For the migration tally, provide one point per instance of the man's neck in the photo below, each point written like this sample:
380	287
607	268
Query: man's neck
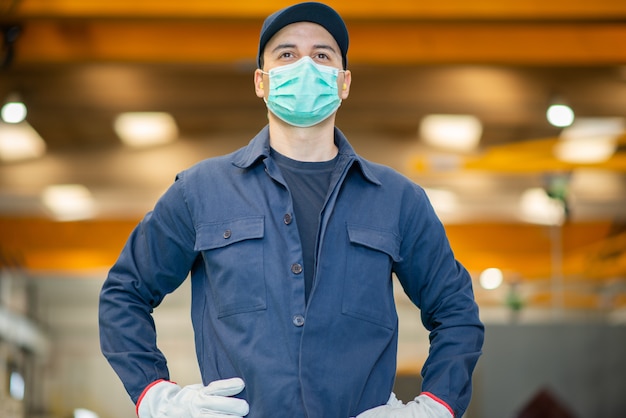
312	144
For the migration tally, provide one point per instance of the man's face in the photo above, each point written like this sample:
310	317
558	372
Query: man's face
296	41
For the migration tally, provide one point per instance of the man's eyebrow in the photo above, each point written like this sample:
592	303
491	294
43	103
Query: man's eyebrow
283	46
318	46
325	46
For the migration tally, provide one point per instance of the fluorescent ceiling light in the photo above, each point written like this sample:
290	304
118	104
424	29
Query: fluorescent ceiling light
589	140
69	202
19	142
453	132
443	201
84	413
538	208
585	151
145	129
595	127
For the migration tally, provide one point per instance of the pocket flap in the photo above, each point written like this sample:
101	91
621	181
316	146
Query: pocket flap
376	239
220	234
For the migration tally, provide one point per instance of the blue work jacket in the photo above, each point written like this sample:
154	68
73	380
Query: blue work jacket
230	222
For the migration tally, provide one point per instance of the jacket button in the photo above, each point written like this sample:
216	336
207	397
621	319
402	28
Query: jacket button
296	268
287	218
298	320
227	234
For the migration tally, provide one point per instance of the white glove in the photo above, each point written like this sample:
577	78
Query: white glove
168	400
422	407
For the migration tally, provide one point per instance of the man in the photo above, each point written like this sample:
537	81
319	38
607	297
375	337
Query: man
291	243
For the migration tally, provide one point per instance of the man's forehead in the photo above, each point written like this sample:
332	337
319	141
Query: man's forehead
296	30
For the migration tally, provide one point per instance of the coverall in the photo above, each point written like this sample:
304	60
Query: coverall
229	221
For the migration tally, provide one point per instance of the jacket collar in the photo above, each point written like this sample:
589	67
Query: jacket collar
259	149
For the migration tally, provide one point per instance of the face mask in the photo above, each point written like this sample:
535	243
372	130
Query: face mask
304	93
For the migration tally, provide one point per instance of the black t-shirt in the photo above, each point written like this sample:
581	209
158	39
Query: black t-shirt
308	183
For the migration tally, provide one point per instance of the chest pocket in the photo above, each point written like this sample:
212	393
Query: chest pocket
233	257
368	290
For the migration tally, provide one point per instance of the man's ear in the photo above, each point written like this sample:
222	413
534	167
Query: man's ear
259	85
345	87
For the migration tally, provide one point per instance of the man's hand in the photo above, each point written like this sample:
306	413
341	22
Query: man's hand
424	406
166	399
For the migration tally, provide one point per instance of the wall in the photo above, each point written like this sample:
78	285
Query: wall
75	374
583	365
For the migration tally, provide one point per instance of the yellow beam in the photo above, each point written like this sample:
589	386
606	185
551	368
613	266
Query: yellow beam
219	41
524	249
363	9
532	156
45	245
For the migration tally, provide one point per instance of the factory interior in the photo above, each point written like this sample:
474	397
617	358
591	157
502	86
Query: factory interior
510	115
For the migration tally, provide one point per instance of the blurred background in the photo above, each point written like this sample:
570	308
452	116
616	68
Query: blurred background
510	114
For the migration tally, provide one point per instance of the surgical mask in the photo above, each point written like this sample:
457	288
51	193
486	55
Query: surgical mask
303	93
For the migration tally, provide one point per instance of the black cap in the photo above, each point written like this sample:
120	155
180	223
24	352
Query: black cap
313	12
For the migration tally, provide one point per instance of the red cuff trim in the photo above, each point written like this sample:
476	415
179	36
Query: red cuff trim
434	398
144	393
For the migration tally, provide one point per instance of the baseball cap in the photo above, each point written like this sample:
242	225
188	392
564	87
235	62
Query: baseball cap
313	12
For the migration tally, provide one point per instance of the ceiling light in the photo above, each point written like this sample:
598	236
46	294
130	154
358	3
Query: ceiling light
453	132
597	185
19	142
13	112
84	413
538	208
491	278
69	202
17	386
145	129
595	127
560	115
589	140
443	201
585	151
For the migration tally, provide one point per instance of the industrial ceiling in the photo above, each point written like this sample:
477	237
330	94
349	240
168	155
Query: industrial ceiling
78	64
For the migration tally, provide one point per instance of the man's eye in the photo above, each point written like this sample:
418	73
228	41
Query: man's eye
286	55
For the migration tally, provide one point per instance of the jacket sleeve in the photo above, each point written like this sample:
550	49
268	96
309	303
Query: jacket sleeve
154	262
442	289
